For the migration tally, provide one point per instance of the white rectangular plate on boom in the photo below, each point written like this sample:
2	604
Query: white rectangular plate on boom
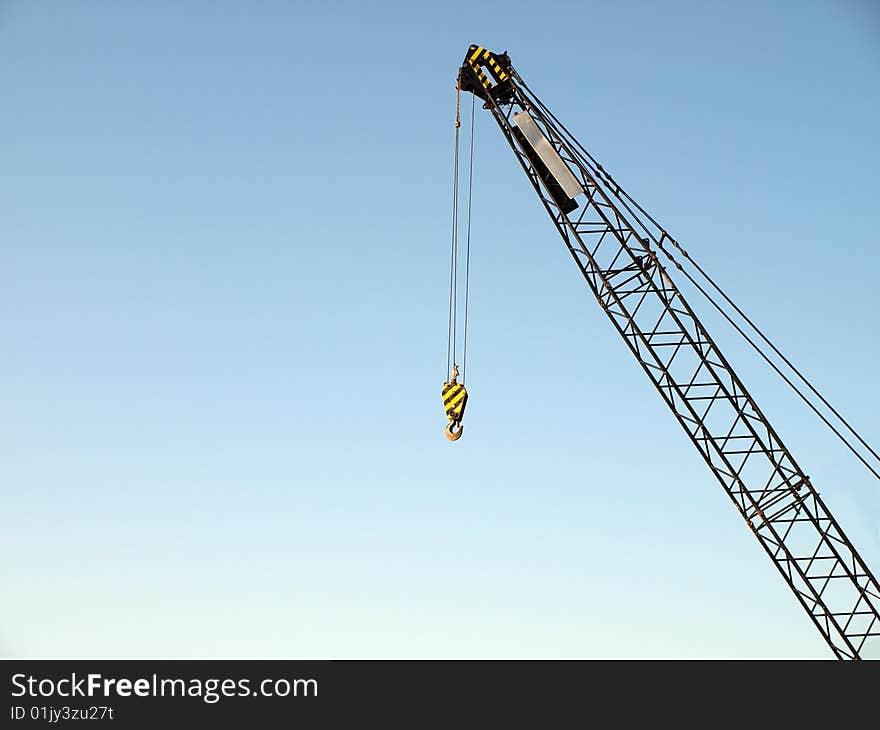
548	155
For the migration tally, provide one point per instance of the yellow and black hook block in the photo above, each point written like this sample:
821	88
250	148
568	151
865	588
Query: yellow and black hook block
454	400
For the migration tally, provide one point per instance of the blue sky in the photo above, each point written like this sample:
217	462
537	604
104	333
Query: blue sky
224	233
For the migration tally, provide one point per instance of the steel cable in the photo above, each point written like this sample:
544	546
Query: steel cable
467	270
453	256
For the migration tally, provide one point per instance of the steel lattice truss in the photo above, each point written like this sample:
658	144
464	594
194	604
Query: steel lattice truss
617	250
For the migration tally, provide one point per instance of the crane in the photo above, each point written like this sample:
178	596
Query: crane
624	255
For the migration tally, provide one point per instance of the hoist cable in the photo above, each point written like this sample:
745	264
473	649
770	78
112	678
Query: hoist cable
623	196
467	270
453	256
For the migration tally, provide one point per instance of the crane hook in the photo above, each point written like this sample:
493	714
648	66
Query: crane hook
451	433
454	400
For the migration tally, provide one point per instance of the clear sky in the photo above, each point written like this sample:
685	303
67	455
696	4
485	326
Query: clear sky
224	232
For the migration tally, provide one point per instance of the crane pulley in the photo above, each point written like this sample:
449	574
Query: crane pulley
621	251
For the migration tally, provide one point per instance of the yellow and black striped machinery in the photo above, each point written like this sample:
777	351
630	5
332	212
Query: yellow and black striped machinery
454	400
473	75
